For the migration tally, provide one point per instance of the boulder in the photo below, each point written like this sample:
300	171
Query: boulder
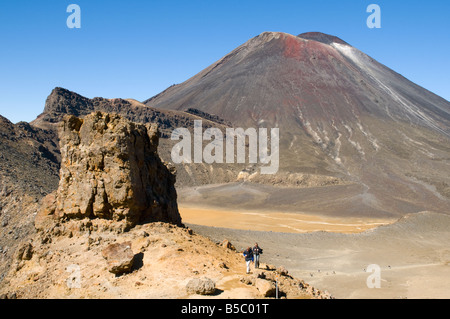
25	252
227	244
120	257
200	286
282	271
265	287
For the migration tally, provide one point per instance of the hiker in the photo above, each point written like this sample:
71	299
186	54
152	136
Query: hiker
248	254
256	252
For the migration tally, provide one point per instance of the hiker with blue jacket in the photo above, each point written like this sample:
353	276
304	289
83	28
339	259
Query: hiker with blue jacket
248	254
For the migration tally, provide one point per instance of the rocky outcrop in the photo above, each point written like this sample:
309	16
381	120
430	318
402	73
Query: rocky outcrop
110	170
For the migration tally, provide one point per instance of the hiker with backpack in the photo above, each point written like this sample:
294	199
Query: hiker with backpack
256	252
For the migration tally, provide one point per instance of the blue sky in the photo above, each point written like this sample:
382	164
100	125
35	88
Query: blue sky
136	49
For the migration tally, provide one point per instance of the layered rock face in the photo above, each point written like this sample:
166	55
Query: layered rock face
110	169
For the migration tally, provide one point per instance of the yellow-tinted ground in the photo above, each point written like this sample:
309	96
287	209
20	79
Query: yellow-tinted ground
276	221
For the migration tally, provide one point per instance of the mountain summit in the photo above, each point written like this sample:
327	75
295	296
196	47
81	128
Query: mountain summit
277	75
340	113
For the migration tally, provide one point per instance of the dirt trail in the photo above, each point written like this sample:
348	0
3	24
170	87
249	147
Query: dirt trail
67	262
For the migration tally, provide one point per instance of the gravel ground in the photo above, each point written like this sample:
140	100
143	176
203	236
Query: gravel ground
412	255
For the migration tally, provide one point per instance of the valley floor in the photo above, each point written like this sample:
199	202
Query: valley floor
412	254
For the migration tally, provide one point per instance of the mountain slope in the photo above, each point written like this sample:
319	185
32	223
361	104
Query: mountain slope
29	165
